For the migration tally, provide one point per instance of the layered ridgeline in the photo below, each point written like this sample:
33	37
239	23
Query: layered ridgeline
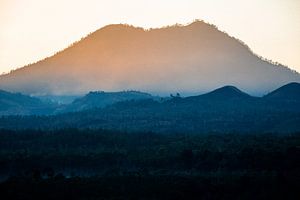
102	99
187	59
19	104
226	109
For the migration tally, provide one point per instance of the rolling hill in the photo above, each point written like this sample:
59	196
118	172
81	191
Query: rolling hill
187	59
224	110
103	99
223	93
19	104
289	92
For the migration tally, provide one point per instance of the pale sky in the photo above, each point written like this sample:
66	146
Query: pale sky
33	29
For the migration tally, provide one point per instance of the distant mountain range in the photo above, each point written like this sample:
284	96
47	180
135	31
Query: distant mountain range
226	109
186	59
103	99
20	104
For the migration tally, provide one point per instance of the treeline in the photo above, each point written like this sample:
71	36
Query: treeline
226	187
101	151
101	164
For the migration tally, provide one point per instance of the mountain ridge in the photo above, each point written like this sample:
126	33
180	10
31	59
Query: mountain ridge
228	91
101	99
231	111
289	91
17	103
123	57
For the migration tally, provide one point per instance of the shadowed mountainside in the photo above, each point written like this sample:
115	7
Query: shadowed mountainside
103	99
187	59
223	110
290	91
224	93
19	104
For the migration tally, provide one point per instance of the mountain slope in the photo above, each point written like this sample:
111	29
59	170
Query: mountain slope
289	91
103	99
226	92
231	111
193	58
19	104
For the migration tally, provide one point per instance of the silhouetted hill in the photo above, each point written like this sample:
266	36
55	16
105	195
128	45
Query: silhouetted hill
19	104
103	99
227	92
187	59
222	94
290	91
224	110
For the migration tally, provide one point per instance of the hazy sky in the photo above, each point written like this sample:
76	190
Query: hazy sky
33	29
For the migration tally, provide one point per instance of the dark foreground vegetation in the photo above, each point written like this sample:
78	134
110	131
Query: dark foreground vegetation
100	164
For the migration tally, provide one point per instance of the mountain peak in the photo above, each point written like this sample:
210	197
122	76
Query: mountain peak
227	92
118	27
201	24
118	57
290	91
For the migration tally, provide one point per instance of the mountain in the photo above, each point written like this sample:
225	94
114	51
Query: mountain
289	92
224	110
60	99
186	59
103	99
19	104
223	93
